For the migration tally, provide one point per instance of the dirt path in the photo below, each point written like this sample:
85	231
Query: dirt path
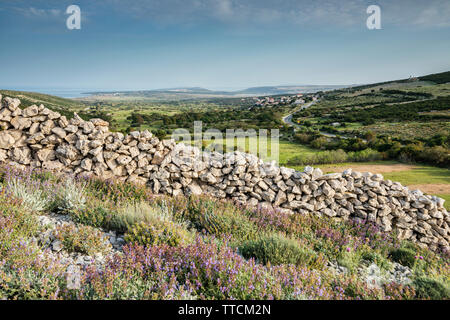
431	188
436	188
376	168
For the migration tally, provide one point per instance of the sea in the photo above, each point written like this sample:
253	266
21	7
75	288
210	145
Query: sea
59	92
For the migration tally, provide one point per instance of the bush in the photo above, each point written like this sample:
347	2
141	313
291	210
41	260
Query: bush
404	256
32	197
303	138
376	258
70	197
349	259
277	250
83	239
335	156
158	233
219	219
118	191
133	213
98	215
427	288
364	155
16	224
319	143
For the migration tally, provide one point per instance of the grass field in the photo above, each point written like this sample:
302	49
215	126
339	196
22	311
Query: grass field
287	150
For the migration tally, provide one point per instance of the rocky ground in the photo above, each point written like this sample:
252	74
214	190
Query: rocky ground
367	271
56	248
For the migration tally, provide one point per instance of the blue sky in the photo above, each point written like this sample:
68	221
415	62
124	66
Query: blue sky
224	44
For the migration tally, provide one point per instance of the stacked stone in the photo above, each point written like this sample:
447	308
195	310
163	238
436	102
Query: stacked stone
41	138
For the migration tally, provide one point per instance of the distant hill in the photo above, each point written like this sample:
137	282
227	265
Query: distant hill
277	90
437	78
191	93
183	93
62	105
199	93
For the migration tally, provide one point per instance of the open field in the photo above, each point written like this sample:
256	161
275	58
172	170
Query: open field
287	150
419	86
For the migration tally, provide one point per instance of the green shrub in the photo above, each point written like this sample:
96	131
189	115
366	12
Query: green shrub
404	256
158	233
427	288
95	215
118	191
319	143
364	155
219	219
277	250
350	260
376	258
83	239
16	224
44	176
133	213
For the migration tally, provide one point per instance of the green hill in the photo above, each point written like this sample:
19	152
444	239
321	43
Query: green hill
64	106
438	78
30	98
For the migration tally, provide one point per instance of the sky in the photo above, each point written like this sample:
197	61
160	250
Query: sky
219	44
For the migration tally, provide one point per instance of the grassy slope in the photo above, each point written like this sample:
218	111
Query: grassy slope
29	98
191	247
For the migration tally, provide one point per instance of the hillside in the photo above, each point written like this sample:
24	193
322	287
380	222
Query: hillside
406	120
438	78
190	93
29	98
93	239
91	214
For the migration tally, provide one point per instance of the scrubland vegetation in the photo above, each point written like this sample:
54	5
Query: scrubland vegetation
400	120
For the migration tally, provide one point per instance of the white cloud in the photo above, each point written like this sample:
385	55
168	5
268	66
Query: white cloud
431	13
224	8
438	15
33	12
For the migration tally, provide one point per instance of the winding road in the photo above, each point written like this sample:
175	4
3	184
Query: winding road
288	120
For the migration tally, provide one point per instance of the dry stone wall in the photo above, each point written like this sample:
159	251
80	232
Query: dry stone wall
41	138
